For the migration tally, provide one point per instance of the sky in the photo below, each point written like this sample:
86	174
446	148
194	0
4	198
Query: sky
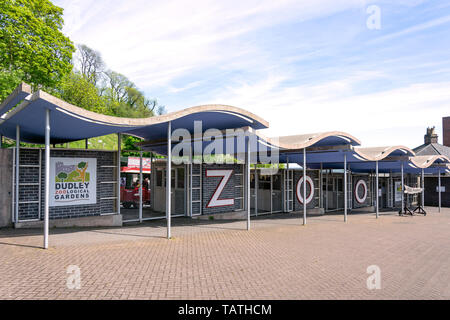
378	70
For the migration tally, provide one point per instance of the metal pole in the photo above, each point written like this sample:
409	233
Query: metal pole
287	185
140	186
169	179
152	180
345	188
86	144
247	182
17	172
377	192
256	190
190	182
403	188
47	177
119	151
326	191
320	186
423	189
304	186
439	185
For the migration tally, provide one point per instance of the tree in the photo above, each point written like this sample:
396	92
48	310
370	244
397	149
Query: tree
118	86
62	176
9	81
91	63
77	90
32	44
81	169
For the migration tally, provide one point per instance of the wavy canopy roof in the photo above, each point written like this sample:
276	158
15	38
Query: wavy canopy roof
326	149
71	123
260	143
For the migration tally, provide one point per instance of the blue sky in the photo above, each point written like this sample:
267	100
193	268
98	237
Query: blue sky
305	66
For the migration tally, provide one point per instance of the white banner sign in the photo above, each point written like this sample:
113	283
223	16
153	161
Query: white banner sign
398	191
73	181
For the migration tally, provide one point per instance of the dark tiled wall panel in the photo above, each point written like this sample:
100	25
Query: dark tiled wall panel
30	175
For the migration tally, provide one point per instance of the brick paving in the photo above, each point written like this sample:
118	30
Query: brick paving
277	259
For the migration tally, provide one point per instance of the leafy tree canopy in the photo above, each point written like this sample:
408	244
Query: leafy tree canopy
32	46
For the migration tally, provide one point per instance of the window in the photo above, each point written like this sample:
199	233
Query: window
264	182
276	185
339	185
180	178
159	178
172	179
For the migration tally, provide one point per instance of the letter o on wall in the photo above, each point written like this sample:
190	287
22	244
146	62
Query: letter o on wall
361	184
299	194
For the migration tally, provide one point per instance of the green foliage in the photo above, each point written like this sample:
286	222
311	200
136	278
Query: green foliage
77	90
33	49
129	143
124	99
62	176
82	165
9	81
32	46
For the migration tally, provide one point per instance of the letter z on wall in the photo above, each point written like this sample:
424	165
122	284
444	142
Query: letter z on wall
215	200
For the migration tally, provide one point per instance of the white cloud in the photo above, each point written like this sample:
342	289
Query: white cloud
156	42
396	116
172	47
417	28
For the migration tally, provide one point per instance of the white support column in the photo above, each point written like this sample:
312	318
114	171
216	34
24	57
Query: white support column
17	173
439	186
47	177
140	186
423	189
345	188
326	191
287	185
320	186
152	182
377	203
247	182
190	182
256	190
403	187
169	179
304	186
119	150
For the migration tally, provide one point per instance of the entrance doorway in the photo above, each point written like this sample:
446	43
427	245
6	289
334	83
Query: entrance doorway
333	191
267	188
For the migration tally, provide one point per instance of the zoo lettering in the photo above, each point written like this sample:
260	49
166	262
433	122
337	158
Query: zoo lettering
71	190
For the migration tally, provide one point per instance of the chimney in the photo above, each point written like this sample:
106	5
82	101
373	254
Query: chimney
446	130
431	136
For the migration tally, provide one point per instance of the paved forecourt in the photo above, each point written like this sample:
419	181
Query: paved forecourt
278	259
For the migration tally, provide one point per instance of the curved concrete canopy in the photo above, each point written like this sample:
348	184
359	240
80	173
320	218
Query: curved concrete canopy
71	123
380	153
330	138
428	161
